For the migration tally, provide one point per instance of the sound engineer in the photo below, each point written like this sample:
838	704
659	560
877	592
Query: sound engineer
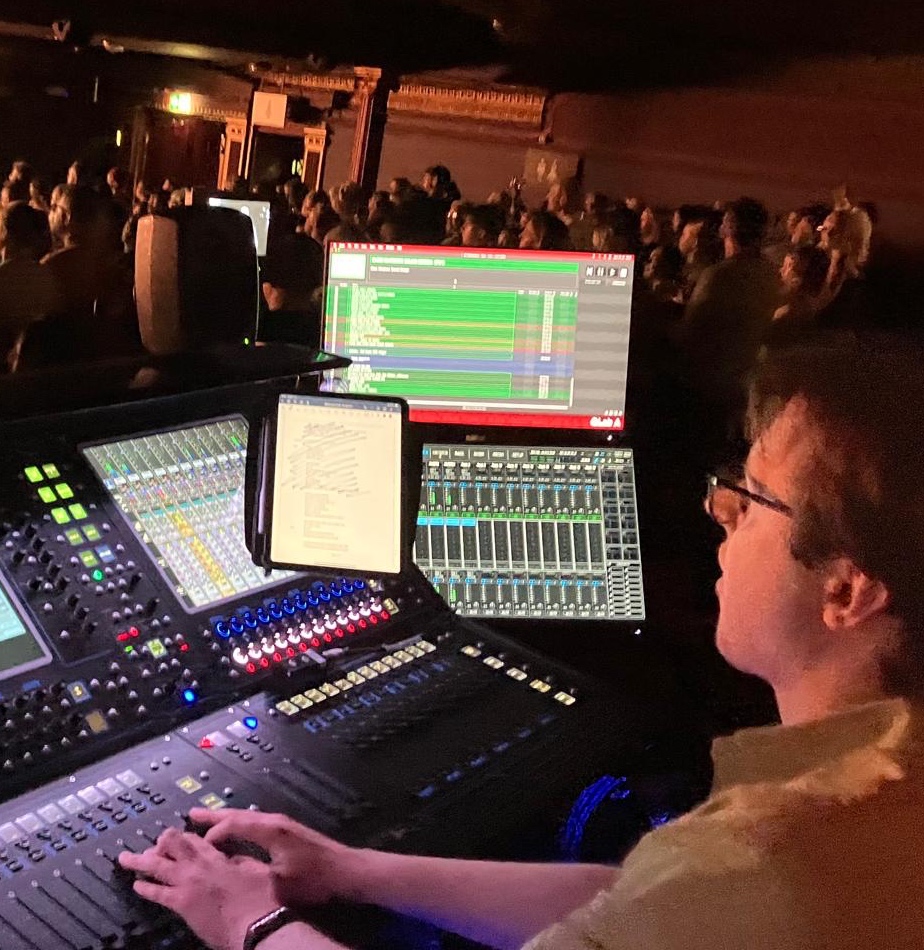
811	837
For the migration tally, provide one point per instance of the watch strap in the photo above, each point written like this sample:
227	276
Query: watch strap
260	929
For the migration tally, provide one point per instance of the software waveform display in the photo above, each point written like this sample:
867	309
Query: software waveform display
532	531
506	337
182	491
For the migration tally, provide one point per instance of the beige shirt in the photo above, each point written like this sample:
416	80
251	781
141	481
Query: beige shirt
813	839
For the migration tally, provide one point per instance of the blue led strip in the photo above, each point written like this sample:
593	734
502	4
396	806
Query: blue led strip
572	834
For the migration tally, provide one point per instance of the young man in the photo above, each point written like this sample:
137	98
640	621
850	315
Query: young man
812	835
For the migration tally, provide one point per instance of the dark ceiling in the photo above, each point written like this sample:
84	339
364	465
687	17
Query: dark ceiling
558	44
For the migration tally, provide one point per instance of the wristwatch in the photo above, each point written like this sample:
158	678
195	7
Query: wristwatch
260	929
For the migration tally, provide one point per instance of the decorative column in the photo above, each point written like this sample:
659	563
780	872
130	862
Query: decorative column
370	99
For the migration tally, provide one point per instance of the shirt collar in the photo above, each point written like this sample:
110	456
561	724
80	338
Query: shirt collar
780	753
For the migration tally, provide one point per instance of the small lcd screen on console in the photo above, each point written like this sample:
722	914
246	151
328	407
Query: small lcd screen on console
337	484
519	531
21	649
182	491
487	338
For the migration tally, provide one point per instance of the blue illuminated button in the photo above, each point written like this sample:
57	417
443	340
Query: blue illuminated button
359	585
222	629
275	611
287	606
251	620
251	722
336	591
236	625
262	615
325	596
312	600
189	696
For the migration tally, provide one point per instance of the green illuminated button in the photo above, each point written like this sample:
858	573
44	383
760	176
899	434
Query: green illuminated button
91	532
60	516
88	558
33	474
64	491
47	495
74	537
51	471
156	649
97	575
78	511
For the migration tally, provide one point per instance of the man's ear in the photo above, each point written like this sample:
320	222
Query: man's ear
850	596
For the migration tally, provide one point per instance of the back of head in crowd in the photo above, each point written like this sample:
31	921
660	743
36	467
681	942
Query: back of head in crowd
858	488
544	231
744	226
24	232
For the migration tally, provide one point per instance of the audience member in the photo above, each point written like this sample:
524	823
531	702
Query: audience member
544	231
27	290
347	201
14	189
481	226
802	277
845	236
292	272
728	315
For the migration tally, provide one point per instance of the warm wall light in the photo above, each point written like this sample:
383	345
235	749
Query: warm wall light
180	102
118	138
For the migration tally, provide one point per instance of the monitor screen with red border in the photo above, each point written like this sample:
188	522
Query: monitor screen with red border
483	337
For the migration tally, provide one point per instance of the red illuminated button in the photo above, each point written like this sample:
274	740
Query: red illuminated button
385	615
206	743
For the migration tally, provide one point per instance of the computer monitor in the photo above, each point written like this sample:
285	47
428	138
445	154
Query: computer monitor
257	211
483	337
532	531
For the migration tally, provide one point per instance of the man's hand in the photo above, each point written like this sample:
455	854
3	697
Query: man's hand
217	896
307	867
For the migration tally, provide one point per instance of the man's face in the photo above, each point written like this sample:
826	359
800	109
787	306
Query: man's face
58	216
770	605
689	238
653	261
472	235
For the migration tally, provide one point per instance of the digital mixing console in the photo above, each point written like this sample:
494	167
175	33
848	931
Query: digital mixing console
147	666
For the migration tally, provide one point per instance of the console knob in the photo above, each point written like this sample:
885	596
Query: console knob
73	600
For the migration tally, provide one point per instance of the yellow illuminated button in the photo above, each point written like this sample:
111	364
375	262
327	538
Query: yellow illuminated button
415	652
426	646
367	672
51	470
404	656
212	801
60	515
78	692
47	495
391	662
156	648
88	559
391	606
287	708
379	666
328	689
97	722
516	674
33	474
355	678
493	662
540	686
303	702
471	651
64	491
188	784
343	685
566	699
315	695
74	537
78	511
91	532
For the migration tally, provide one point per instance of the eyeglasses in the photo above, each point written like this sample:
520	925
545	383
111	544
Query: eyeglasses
715	484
